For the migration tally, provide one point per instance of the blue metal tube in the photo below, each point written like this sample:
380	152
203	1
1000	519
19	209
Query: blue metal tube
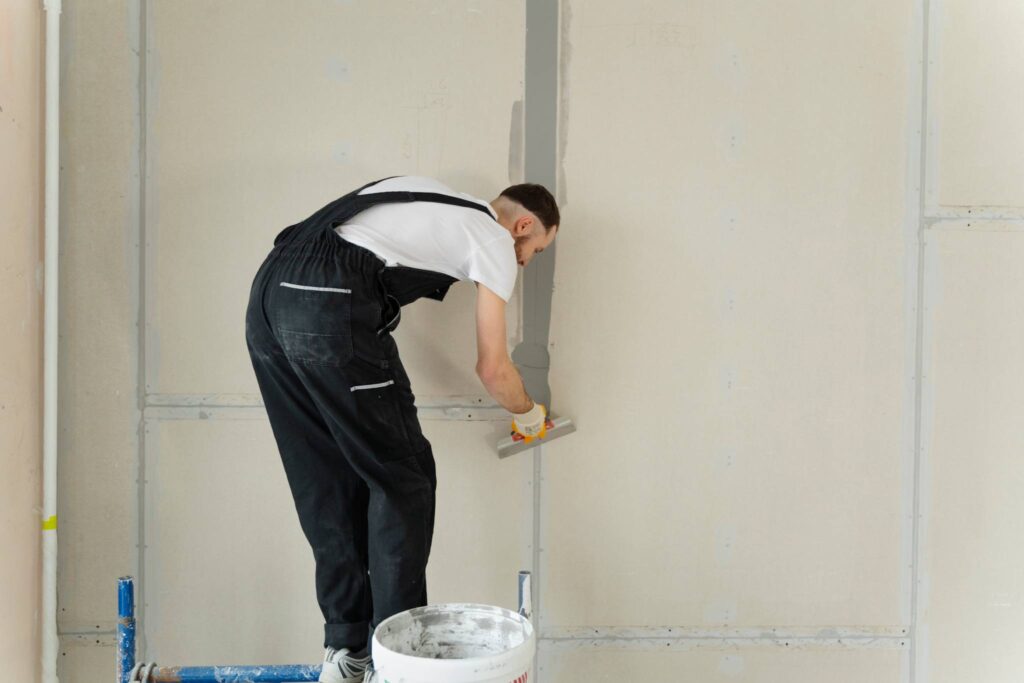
283	673
290	673
236	674
125	628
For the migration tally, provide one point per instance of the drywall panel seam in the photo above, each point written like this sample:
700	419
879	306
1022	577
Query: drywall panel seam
719	643
977	212
973	225
250	407
139	28
914	202
931	294
931	172
911	237
134	267
151	537
89	639
770	633
912	226
536	568
208	400
926	169
227	400
424	413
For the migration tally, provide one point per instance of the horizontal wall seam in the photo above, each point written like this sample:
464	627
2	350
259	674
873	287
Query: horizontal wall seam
563	644
970	229
683	642
791	632
982	213
250	407
255	401
682	633
104	639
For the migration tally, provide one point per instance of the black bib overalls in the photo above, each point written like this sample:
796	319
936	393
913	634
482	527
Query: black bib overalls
318	328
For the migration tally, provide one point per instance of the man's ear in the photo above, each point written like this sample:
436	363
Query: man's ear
522	226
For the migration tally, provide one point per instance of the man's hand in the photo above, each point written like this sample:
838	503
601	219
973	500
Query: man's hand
532	423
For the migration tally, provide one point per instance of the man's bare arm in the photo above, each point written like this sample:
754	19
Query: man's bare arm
493	366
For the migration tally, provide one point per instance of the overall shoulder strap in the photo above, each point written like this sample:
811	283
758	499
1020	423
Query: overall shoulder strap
375	198
312	225
343	208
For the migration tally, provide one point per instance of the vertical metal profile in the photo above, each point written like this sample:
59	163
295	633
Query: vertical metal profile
141	31
525	607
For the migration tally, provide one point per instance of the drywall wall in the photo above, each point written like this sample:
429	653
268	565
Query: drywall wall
208	222
99	400
970	600
973	604
977	149
728	325
206	237
197	132
766	324
21	342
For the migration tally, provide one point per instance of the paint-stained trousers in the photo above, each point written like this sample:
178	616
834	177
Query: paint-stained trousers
360	470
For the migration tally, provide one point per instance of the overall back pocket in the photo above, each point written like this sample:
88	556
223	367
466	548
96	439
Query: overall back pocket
313	323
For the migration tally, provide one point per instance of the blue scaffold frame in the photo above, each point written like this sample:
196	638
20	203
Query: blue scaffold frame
130	671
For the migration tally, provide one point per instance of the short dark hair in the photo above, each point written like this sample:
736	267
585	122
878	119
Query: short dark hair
536	199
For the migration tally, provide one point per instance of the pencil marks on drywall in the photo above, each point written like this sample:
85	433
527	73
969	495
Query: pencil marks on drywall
644	28
342	152
338	69
730	665
425	140
720	610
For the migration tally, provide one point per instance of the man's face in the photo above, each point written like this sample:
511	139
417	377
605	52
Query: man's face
531	238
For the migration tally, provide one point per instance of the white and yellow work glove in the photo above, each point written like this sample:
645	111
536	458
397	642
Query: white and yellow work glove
533	424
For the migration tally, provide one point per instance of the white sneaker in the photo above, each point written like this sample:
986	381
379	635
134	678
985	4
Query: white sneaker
339	667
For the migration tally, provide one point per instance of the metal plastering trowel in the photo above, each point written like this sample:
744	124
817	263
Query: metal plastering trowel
517	443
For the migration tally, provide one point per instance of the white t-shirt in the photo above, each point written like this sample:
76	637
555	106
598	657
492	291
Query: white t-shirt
459	241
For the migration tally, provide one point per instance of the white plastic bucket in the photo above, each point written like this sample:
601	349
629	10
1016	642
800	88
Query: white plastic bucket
453	643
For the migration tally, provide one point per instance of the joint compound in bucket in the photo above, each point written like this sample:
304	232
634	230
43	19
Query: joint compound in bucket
453	643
